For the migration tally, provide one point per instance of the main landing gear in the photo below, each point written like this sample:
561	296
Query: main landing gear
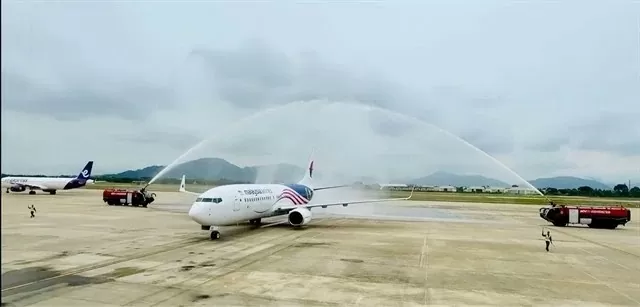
32	192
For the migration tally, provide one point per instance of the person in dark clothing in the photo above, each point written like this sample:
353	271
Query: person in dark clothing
32	210
547	239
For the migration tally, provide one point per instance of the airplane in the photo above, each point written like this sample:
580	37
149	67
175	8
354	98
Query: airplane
229	205
48	184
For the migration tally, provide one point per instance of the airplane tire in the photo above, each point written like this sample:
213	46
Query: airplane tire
215	235
32	192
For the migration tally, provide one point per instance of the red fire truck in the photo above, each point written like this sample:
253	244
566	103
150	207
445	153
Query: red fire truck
594	217
114	197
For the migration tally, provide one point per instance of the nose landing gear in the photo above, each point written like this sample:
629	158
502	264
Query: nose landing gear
215	235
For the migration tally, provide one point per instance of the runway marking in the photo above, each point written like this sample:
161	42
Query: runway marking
172	246
287	242
424	263
583	270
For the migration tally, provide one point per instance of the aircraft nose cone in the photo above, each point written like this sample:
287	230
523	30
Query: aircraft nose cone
197	213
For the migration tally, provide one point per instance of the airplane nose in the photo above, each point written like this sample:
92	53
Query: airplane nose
198	213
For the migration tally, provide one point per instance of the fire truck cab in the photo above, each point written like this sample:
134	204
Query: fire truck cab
594	217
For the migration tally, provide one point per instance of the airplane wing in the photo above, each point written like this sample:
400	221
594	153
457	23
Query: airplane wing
344	203
31	186
331	187
182	189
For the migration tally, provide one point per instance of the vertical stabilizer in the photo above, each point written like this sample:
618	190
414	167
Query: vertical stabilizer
86	171
307	180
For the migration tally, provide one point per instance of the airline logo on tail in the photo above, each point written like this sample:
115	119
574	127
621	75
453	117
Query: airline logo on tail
86	171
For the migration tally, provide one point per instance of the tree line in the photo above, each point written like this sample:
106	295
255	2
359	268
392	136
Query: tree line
620	190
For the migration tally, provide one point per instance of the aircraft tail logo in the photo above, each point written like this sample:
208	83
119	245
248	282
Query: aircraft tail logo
86	171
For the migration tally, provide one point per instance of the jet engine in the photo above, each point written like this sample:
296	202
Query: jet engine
299	217
17	188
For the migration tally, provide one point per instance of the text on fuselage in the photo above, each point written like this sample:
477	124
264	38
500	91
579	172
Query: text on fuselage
257	191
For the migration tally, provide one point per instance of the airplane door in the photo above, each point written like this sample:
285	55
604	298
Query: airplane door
237	203
573	216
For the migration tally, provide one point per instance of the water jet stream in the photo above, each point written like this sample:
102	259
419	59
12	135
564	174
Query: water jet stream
271	110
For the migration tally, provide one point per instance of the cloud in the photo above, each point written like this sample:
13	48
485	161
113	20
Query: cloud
540	96
128	101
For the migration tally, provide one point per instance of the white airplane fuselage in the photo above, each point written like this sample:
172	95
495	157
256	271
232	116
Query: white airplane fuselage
48	184
235	203
231	204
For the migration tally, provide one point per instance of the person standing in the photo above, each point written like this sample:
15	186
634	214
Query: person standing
547	239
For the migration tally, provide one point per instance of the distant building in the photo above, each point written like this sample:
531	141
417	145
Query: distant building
520	191
495	189
476	189
394	186
446	188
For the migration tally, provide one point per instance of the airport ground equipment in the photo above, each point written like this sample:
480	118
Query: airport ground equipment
594	217
116	197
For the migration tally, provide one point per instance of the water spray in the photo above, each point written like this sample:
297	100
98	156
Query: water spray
206	140
267	111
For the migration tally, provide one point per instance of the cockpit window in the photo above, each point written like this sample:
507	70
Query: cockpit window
210	200
199	200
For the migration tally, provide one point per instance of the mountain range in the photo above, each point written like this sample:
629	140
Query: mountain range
220	169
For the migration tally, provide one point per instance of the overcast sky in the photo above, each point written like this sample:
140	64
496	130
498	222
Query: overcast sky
547	88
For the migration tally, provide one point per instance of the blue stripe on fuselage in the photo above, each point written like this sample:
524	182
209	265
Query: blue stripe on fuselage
303	190
75	183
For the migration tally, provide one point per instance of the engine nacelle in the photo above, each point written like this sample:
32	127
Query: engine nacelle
18	189
299	217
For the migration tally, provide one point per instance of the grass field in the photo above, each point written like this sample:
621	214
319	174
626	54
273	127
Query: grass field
426	196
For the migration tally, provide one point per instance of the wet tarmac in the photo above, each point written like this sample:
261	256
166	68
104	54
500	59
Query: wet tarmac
78	251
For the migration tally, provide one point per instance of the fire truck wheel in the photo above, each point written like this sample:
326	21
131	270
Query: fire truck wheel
145	205
215	235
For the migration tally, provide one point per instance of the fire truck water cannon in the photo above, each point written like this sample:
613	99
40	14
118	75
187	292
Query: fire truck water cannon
594	217
116	197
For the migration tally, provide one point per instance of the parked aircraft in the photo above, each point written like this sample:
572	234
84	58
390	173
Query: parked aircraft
48	184
231	204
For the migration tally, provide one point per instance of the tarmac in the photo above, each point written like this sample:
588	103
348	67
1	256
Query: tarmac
78	251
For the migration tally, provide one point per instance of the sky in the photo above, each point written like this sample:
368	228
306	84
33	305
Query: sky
547	88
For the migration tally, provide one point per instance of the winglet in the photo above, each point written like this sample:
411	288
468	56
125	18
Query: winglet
182	187
412	188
